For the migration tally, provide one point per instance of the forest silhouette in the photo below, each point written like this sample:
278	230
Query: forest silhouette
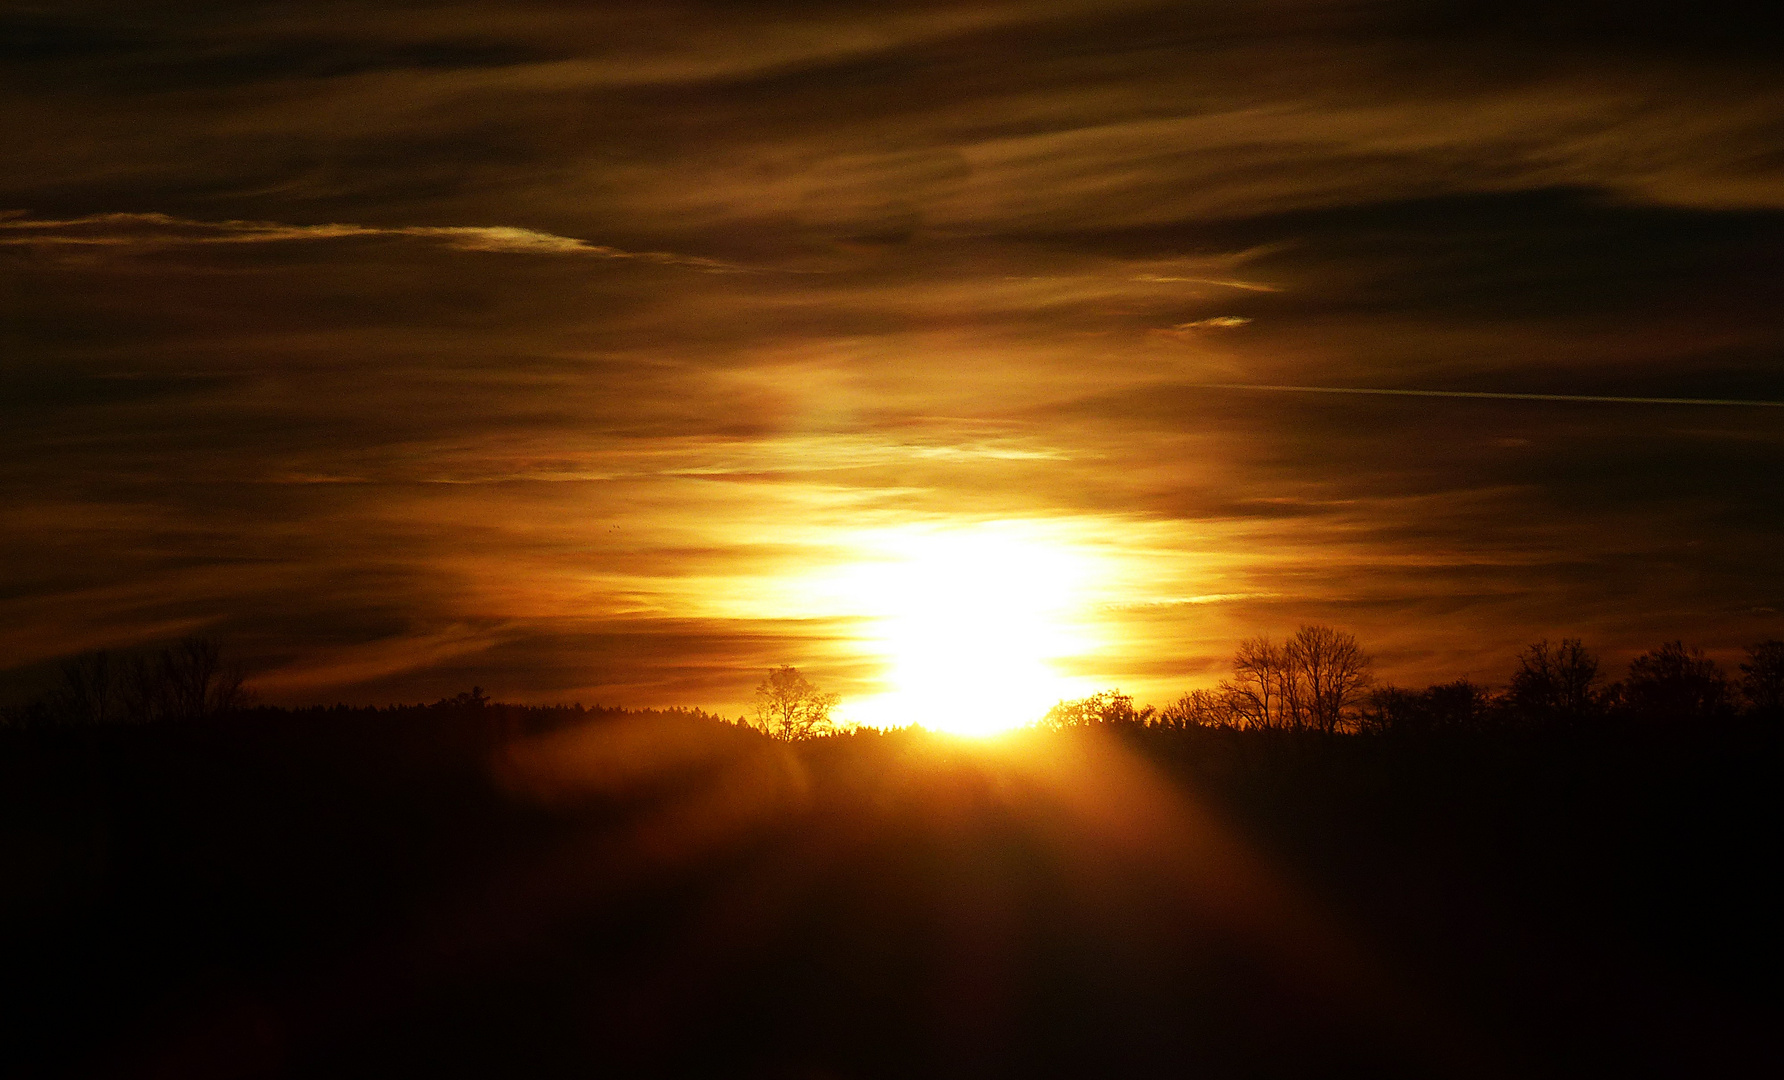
1298	871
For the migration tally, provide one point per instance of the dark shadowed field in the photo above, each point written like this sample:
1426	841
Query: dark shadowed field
465	891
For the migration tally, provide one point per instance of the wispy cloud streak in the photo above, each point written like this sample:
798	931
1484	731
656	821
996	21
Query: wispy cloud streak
125	230
1494	396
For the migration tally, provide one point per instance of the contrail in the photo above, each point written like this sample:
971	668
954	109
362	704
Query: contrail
1494	396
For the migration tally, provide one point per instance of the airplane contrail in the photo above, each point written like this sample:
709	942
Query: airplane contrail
1494	396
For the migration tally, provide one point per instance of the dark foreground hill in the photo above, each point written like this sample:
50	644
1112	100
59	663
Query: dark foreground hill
483	891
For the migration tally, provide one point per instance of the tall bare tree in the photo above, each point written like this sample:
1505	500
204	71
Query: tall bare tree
790	706
1328	672
1312	681
1262	686
90	690
1676	682
1556	683
1762	678
189	680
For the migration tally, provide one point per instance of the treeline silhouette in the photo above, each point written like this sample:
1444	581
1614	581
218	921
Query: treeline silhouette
189	680
1318	681
1572	880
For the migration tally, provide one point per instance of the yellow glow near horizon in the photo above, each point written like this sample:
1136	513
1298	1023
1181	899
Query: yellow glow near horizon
970	622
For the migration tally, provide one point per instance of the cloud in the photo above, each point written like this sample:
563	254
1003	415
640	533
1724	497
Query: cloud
1248	286
1484	395
1216	322
148	230
299	407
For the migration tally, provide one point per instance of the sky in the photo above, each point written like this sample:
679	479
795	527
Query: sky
618	352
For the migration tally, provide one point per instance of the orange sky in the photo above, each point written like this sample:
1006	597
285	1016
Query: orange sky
595	352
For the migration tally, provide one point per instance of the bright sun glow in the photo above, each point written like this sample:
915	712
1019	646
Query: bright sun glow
970	623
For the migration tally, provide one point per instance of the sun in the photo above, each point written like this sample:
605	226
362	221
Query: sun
970	623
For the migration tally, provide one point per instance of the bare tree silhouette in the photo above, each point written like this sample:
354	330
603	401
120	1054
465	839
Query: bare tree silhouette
790	706
189	680
1311	682
1556	683
1260	693
1328	673
1675	682
1762	678
1448	707
90	690
1200	709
